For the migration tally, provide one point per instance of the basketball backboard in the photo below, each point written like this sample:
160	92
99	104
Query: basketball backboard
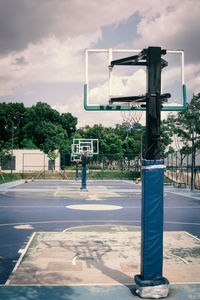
105	82
81	146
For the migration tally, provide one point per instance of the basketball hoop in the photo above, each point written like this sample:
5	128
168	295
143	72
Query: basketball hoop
85	153
77	160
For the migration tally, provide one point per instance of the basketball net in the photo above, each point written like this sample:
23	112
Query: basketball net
130	117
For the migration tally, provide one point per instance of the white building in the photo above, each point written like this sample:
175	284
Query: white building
31	160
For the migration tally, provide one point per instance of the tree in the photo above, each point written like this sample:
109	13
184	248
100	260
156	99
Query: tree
132	137
5	155
179	128
68	123
49	136
111	145
183	129
168	131
47	129
188	127
41	112
27	143
11	118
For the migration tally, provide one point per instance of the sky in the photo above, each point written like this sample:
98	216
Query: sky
42	46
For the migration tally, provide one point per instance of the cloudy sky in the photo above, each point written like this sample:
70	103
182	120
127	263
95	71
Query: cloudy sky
42	45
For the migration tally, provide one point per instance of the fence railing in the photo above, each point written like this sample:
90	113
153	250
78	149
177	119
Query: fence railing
178	169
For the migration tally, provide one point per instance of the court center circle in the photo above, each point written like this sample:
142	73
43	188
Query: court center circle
94	207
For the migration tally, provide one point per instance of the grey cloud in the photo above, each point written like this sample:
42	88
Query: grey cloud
29	21
20	61
23	22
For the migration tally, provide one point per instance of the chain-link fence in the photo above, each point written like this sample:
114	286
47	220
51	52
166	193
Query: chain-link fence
106	166
179	169
107	162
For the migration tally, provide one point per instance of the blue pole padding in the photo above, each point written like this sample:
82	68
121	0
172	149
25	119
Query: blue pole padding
152	223
84	177
76	171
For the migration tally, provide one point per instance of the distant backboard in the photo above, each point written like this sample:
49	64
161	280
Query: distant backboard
84	146
104	82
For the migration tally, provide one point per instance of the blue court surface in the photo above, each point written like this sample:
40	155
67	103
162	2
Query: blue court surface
55	206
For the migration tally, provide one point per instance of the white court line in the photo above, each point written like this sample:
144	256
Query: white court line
96	207
32	206
95	284
21	257
195	237
57	206
70	221
95	221
181	223
64	190
76	227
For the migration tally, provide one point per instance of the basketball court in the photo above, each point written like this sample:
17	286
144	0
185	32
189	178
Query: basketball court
92	242
86	244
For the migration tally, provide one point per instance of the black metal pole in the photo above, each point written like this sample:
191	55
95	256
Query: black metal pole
153	105
191	108
12	149
192	168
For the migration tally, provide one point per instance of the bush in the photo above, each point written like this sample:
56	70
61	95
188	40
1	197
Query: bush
7	177
113	174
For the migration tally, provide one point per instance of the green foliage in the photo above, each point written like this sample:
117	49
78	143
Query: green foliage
114	174
27	143
4	152
7	177
114	142
11	119
111	144
52	155
42	127
179	129
68	123
38	126
167	132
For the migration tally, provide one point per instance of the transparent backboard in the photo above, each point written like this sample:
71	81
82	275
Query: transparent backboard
103	82
88	146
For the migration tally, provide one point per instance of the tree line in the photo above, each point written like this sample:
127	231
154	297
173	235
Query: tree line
42	127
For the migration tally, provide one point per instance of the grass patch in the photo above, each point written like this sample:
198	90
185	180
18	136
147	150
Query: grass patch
70	174
6	177
113	174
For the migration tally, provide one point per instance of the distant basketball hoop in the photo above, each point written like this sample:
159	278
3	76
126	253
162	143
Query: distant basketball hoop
85	153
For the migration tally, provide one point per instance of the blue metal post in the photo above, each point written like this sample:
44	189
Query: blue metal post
84	177
152	219
77	171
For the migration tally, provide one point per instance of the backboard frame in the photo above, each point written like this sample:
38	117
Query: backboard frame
98	107
80	146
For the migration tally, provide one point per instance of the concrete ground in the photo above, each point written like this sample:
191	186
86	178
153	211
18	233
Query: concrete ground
104	260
